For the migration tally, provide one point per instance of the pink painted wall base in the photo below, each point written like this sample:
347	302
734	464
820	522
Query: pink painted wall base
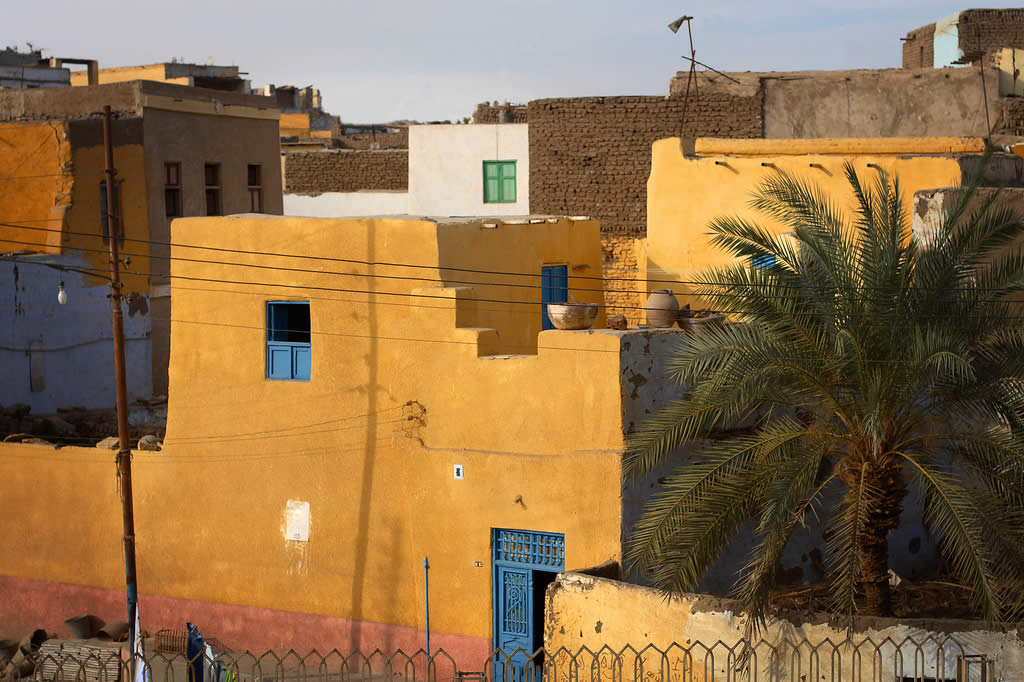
26	604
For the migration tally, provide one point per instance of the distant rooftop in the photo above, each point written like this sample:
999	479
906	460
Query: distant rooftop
125	98
211	76
14	58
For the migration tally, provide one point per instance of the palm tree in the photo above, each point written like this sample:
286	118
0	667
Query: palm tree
866	363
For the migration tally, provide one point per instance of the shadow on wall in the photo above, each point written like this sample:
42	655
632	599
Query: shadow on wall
361	543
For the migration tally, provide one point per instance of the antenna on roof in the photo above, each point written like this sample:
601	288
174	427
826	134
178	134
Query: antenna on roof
675	25
691	79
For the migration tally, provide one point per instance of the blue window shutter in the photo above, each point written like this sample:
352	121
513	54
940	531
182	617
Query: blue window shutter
554	282
561	283
289	347
301	361
279	361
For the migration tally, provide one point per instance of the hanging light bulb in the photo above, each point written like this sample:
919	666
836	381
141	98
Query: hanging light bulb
62	296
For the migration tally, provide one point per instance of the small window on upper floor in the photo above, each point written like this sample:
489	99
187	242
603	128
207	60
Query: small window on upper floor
172	190
499	182
765	261
211	172
255	188
289	347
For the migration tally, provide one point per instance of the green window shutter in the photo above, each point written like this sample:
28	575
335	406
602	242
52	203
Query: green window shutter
508	182
499	182
492	183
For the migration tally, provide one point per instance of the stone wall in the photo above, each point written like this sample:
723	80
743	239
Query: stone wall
1011	121
399	140
863	102
491	113
982	30
641	635
592	155
317	172
919	48
621	256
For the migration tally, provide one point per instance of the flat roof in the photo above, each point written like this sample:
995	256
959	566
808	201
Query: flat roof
125	98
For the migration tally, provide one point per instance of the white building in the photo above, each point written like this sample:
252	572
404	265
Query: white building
454	170
457	170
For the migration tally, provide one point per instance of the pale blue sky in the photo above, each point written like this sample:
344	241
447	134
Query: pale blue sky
377	61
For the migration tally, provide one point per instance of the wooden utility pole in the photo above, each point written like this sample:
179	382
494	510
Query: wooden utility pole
124	453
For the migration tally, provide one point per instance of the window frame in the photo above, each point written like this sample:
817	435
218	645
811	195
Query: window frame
173	187
501	166
213	188
554	288
299	353
255	188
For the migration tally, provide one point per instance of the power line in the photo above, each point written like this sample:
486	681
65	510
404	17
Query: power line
634	280
279	268
160	457
444	282
404	294
301	426
31	177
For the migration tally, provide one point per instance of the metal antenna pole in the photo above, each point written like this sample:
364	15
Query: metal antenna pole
124	454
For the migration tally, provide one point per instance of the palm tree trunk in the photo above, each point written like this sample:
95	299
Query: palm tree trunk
887	481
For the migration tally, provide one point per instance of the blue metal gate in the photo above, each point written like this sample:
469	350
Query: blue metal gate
520	558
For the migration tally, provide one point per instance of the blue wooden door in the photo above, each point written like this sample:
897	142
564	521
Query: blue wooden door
554	282
524	563
514	623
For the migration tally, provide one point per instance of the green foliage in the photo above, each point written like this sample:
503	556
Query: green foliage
863	360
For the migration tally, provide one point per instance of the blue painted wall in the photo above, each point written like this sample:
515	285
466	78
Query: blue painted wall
76	339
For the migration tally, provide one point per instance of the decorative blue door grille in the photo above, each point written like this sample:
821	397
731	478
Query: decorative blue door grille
518	555
523	547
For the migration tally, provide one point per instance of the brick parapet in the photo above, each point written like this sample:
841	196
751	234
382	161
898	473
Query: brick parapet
592	155
316	172
624	292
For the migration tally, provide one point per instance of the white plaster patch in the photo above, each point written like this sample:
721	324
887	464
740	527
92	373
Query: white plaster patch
297	521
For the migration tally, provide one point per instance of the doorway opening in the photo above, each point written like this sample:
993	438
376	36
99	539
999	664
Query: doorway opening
525	563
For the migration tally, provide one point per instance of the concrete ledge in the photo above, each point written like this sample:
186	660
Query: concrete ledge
715	146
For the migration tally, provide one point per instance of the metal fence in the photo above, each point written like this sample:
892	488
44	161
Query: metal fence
928	659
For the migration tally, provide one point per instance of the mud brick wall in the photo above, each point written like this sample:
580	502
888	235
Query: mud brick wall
919	48
990	29
491	113
592	155
1012	120
399	140
620	260
345	170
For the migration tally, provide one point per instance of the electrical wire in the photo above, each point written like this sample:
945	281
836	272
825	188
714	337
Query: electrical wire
30	177
443	282
411	295
356	261
160	457
301	426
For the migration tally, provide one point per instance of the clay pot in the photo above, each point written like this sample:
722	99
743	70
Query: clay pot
572	315
617	322
698	324
662	308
